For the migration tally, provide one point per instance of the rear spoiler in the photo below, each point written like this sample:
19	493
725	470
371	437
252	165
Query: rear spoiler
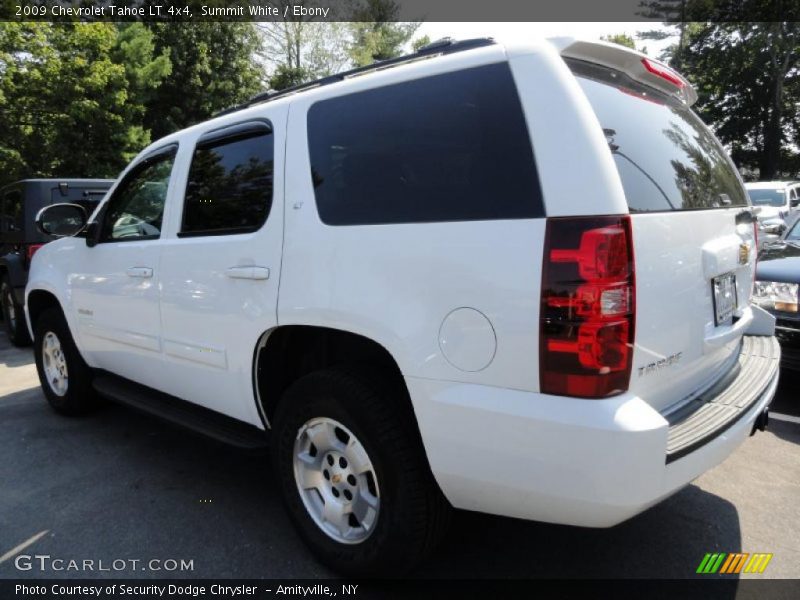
638	66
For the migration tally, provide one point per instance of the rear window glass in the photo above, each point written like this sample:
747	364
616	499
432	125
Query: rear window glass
451	147
767	197
230	186
666	156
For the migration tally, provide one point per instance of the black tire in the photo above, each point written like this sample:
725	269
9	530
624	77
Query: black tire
13	315
79	397
413	513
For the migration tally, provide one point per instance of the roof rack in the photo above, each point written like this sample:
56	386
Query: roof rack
438	48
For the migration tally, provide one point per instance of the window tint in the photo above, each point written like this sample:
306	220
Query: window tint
794	232
230	186
136	209
666	157
87	198
767	197
13	218
451	147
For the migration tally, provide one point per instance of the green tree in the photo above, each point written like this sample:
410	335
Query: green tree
286	77
748	80
623	39
376	33
72	97
215	69
420	42
302	45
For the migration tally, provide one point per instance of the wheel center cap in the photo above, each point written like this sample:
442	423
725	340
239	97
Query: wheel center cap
336	478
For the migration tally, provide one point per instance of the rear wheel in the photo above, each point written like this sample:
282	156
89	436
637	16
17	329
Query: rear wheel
353	473
66	379
13	315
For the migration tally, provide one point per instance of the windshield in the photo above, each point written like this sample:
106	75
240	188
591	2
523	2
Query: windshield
794	232
666	157
767	197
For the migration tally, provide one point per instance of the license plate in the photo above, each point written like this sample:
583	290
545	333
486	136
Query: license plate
724	298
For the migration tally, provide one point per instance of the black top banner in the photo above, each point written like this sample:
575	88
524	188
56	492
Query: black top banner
403	10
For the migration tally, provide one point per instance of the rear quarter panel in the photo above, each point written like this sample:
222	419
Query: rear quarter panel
396	283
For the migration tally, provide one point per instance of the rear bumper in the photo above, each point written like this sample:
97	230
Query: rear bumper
592	463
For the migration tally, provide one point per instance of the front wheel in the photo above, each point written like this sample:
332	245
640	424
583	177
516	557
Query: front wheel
353	473
65	378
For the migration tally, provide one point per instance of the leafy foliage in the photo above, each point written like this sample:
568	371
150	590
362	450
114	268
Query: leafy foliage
623	39
748	79
286	77
72	97
215	70
376	35
80	99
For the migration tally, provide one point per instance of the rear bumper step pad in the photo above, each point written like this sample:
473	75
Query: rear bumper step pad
719	407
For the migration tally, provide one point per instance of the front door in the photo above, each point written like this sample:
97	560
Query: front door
114	284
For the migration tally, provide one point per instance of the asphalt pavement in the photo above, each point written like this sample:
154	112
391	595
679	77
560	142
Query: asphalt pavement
121	486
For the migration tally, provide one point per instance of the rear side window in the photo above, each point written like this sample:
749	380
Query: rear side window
451	147
666	157
88	198
230	184
12	212
4	216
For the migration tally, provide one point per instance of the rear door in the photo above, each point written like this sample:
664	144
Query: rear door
693	237
220	266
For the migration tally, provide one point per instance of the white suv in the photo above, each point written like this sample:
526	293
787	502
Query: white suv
505	279
776	199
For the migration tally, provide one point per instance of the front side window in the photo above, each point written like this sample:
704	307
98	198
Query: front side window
136	209
450	147
229	189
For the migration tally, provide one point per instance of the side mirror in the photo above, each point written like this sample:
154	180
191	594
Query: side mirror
61	220
774	228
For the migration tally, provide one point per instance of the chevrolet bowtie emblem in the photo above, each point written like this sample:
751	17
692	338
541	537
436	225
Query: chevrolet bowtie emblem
744	253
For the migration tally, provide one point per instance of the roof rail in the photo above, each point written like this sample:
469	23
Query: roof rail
438	48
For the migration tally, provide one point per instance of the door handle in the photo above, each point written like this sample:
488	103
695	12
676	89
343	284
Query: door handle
145	272
258	273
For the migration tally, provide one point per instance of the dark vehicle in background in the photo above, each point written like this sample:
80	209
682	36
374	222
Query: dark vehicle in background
20	239
777	289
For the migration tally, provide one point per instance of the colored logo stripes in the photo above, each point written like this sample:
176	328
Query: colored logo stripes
736	562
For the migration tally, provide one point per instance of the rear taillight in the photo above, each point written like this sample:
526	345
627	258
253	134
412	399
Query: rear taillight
660	70
588	307
30	251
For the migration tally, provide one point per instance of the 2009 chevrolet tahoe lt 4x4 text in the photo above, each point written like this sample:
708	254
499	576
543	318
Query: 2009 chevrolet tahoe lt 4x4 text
506	279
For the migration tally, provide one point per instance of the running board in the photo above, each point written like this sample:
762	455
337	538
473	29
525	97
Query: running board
169	408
